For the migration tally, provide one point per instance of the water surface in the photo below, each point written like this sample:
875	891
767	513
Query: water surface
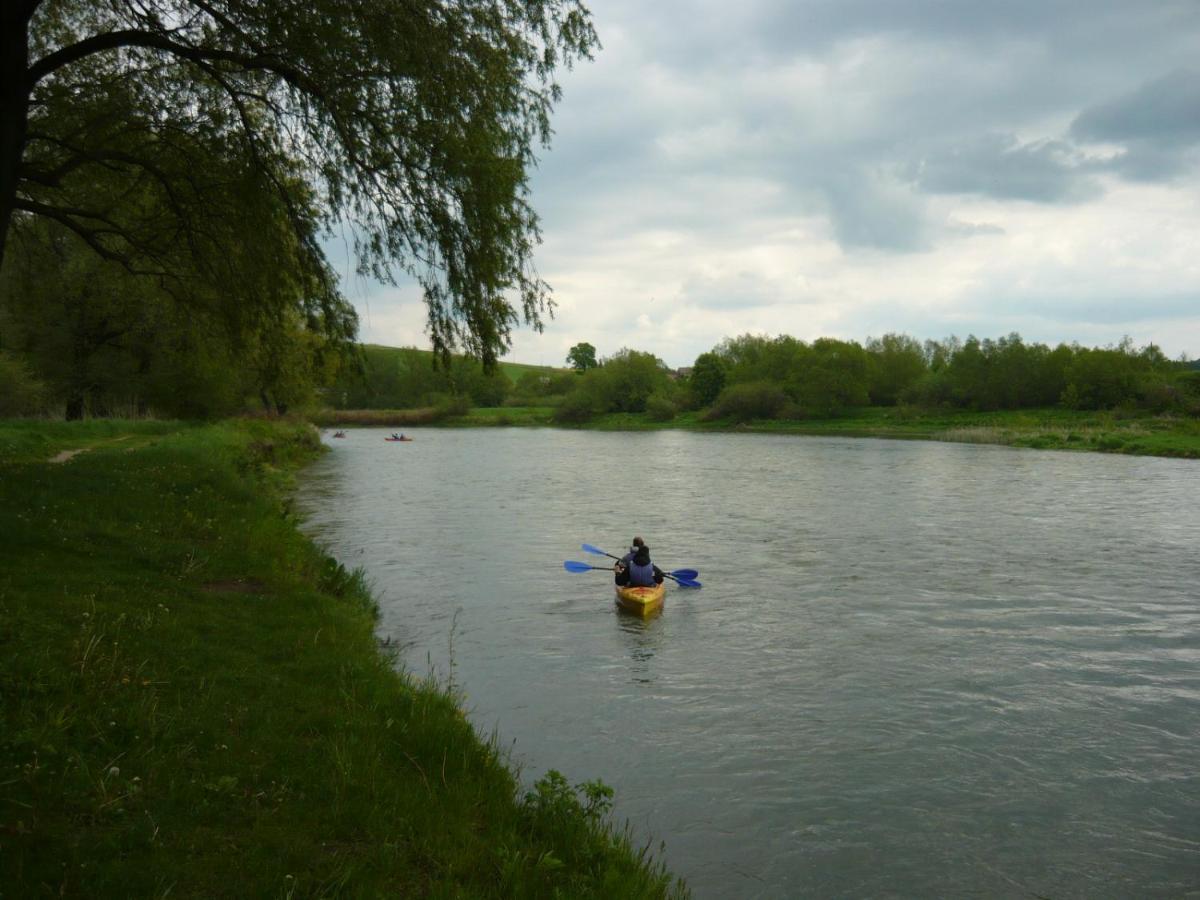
915	669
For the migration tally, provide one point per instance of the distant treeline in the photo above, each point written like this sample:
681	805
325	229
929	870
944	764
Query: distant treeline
760	377
407	378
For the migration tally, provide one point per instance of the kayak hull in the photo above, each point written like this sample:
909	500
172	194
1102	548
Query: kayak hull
641	601
398	440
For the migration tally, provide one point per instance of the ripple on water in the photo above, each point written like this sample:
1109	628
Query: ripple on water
914	670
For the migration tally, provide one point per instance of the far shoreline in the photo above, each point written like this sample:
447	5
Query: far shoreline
1106	431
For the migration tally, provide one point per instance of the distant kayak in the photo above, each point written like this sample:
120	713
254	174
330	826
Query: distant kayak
399	440
641	600
340	434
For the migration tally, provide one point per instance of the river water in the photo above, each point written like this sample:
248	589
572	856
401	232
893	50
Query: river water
914	670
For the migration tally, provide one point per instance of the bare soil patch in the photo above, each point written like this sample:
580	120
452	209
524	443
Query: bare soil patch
68	454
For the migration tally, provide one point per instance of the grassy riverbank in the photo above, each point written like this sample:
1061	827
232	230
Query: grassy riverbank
1135	433
194	704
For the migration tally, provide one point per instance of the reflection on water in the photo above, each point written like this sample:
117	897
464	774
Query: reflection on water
642	639
915	669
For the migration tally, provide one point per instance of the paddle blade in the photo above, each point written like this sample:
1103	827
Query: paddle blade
689	583
688	574
588	548
571	566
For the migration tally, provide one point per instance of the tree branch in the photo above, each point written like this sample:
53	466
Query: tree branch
132	37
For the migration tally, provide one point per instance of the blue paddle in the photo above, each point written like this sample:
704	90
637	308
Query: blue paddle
572	566
689	574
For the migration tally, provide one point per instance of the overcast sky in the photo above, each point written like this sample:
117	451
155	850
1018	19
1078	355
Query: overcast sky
847	168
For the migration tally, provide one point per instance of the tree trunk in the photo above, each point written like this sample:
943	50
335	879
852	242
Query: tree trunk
14	104
75	406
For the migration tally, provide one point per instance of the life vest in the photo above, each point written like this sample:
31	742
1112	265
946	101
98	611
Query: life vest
641	570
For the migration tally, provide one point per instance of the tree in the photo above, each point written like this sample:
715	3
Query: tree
708	378
629	377
895	364
622	383
413	122
831	376
582	357
252	320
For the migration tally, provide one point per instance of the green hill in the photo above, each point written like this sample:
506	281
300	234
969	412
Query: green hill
406	378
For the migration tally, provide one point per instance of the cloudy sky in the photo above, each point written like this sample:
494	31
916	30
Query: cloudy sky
847	168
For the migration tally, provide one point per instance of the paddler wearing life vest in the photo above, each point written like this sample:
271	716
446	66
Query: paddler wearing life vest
634	569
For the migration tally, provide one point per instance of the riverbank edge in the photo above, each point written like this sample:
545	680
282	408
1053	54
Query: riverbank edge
195	702
1120	432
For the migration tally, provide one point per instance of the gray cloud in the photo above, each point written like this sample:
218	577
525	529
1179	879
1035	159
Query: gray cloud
877	165
1164	111
1157	126
995	165
868	211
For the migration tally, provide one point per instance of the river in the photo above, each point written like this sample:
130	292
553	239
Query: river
915	669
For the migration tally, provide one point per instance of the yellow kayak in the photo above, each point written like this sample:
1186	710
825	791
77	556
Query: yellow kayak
641	600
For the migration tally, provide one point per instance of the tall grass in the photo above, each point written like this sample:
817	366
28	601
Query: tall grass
379	418
194	704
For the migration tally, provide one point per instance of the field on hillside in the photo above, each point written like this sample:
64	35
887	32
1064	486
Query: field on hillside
514	370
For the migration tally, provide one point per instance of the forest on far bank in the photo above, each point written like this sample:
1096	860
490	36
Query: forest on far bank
759	377
117	363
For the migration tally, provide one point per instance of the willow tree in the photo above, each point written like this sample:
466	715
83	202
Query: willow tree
413	123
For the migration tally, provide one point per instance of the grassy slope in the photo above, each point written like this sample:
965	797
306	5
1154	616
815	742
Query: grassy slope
194	704
513	370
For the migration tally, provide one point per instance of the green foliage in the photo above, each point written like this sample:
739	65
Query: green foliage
577	407
821	378
194	328
628	378
660	407
749	400
623	383
1103	378
829	376
542	386
417	123
707	378
582	357
896	363
21	394
408	378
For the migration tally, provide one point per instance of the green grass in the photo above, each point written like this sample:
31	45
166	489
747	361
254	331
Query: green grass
377	418
482	416
194	703
26	440
513	370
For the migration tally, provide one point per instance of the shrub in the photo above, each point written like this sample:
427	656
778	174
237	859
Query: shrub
447	405
576	408
659	407
747	401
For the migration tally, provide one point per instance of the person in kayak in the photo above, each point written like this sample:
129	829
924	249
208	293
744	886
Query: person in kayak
634	569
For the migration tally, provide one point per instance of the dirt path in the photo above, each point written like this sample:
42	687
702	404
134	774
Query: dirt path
68	454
